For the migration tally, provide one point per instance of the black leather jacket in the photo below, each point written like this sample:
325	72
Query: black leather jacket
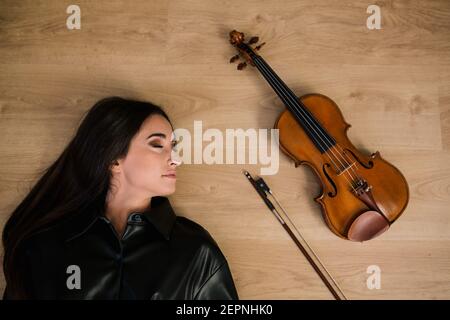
160	256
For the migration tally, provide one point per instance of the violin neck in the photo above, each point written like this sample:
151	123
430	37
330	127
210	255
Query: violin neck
318	135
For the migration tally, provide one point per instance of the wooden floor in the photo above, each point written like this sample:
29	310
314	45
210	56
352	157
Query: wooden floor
392	85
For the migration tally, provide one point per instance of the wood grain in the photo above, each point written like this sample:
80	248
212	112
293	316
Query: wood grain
392	85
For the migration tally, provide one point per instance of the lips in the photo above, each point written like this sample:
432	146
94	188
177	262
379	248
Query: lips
172	175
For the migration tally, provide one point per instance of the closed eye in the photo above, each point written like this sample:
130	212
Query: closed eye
174	144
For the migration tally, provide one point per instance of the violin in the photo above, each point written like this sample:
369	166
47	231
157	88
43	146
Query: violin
361	195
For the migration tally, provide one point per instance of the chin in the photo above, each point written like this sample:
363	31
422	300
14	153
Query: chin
167	192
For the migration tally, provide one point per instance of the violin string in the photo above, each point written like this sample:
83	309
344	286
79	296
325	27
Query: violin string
274	78
355	163
307	123
307	113
345	156
286	96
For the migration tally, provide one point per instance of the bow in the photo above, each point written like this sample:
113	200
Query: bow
263	190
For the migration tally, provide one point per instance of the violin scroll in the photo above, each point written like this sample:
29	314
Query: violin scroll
244	49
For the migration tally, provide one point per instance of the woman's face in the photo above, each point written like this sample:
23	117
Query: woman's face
149	169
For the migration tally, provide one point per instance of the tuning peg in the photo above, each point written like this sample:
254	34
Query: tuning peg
234	58
259	47
241	65
253	40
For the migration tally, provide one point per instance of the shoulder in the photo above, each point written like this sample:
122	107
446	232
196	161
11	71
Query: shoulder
189	229
48	243
43	246
206	262
55	235
194	237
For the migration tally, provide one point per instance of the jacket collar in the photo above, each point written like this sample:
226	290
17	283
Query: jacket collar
159	213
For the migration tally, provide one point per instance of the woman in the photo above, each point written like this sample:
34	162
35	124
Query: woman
97	225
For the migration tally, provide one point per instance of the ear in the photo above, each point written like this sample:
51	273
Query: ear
115	166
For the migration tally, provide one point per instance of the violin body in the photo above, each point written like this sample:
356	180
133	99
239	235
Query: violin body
347	215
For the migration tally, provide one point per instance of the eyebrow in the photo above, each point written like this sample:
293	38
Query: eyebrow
157	134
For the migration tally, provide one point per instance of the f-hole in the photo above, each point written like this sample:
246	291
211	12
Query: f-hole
324	168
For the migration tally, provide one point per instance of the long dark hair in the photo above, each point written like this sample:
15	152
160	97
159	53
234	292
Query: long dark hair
77	181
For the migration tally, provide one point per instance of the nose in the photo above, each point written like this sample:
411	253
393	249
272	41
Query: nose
174	159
